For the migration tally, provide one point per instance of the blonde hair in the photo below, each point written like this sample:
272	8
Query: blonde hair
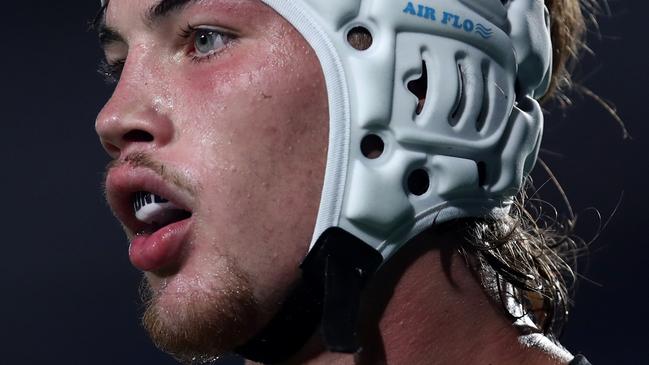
568	27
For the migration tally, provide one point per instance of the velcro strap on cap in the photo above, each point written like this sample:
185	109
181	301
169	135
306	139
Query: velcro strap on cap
334	273
342	264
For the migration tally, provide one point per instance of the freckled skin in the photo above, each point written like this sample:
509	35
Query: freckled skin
247	128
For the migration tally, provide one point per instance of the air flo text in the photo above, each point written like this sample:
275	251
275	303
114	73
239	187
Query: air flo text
447	18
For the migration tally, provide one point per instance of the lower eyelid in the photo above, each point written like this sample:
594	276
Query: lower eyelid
229	42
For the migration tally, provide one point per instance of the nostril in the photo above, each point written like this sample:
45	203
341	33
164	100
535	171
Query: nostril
111	148
138	135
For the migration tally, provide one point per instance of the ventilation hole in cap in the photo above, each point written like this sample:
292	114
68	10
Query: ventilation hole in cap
482	173
372	146
481	121
360	38
419	88
418	182
460	100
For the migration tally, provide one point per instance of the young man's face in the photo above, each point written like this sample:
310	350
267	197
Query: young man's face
220	108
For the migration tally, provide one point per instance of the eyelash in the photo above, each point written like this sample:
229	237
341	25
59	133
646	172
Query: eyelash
111	71
189	34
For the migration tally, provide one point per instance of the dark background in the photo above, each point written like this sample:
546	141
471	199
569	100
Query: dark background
68	294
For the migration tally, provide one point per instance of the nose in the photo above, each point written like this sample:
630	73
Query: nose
133	119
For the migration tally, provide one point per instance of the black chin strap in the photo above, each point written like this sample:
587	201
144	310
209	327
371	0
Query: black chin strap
333	275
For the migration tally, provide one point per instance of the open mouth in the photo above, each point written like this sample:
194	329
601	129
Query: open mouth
155	212
156	215
161	227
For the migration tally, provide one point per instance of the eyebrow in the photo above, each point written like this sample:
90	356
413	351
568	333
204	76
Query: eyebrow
164	8
156	13
108	35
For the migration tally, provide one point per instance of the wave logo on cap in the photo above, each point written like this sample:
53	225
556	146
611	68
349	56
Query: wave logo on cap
448	19
483	31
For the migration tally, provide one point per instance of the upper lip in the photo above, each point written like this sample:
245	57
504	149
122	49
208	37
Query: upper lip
124	181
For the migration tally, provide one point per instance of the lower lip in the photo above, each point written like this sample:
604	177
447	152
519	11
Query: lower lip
160	250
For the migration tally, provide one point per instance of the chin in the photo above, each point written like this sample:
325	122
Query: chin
196	318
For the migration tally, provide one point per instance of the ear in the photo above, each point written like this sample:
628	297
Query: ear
530	32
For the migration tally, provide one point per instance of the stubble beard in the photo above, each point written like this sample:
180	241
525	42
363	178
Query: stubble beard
205	321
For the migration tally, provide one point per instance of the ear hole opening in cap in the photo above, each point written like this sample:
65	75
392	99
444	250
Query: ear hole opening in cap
418	182
372	146
419	88
360	38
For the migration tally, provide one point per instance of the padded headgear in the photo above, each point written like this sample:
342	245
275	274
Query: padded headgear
482	64
477	136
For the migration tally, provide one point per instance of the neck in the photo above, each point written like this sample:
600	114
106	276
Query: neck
431	309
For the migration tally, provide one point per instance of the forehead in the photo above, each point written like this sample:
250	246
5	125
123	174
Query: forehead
112	10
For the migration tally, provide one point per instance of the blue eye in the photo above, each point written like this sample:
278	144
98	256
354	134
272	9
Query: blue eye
207	42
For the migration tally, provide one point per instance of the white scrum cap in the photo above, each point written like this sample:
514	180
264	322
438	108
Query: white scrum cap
469	148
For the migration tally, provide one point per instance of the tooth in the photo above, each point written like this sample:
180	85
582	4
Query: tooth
153	209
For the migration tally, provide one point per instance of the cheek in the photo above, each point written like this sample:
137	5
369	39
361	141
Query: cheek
259	130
